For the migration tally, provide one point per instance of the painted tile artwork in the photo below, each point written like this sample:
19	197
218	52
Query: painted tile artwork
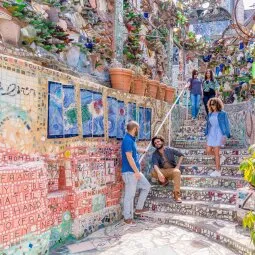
131	112
92	114
86	101
69	111
112	116
145	123
121	122
62	113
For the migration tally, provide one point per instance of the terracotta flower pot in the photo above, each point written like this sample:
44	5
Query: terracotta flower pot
169	95
161	92
152	88
139	85
121	78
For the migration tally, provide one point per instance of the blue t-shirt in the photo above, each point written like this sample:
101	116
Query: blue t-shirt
129	145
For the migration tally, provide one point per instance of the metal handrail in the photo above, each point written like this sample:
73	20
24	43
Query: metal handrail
163	122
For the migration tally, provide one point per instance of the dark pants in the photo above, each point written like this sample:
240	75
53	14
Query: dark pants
206	98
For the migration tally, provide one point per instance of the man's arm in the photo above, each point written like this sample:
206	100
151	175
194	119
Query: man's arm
133	165
161	177
179	162
180	155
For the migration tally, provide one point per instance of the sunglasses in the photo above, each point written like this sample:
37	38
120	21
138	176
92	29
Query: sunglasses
212	104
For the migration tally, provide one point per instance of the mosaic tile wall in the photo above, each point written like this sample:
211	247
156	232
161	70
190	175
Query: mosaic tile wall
61	132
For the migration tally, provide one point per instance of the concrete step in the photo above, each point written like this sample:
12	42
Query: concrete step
205	181
216	195
226	170
198	144
223	232
196	208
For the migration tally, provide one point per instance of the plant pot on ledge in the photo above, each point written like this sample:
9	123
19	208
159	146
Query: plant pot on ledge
121	78
161	92
139	85
152	89
169	95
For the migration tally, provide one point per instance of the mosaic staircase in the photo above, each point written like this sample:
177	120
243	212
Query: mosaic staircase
209	203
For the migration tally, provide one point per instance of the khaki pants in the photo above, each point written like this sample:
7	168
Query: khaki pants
170	174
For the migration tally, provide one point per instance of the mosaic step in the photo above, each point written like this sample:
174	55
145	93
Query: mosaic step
209	160
216	195
226	170
192	129
200	136
223	232
195	208
224	152
196	123
198	144
205	181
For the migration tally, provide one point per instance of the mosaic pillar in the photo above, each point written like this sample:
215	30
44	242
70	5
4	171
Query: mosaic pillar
118	30
170	45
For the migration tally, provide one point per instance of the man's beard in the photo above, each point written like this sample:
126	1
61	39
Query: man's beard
160	147
136	133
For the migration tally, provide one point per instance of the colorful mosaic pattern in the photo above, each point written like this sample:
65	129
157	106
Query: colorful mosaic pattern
112	116
62	113
92	114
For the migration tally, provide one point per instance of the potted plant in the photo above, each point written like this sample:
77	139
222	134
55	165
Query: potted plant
247	166
169	94
121	78
152	89
161	91
139	83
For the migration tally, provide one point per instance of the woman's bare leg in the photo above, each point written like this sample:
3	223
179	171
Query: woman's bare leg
210	150
217	157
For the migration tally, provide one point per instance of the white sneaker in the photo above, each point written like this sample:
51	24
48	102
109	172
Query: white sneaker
215	174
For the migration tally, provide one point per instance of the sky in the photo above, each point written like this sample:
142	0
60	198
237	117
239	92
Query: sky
248	3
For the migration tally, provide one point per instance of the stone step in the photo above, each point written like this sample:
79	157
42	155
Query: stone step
195	208
226	152
209	160
226	170
192	129
216	195
196	123
223	232
205	181
191	136
198	144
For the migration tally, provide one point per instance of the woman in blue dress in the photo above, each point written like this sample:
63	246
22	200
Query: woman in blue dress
217	130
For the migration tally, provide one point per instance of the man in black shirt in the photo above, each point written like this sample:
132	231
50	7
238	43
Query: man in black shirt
165	167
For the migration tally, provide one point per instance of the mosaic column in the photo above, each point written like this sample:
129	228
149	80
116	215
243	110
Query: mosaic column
170	45
118	30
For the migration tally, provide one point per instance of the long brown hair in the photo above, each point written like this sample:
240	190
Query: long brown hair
194	72
217	102
211	74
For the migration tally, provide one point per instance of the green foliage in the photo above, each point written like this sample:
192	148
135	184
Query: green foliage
45	30
247	166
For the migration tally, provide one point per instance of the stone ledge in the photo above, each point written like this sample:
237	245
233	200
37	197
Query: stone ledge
194	208
223	232
216	195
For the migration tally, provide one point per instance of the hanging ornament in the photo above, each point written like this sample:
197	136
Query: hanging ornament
241	46
217	70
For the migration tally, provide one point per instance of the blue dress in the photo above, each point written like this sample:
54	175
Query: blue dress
215	136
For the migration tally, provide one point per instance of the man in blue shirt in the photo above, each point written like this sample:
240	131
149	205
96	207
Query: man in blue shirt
131	174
